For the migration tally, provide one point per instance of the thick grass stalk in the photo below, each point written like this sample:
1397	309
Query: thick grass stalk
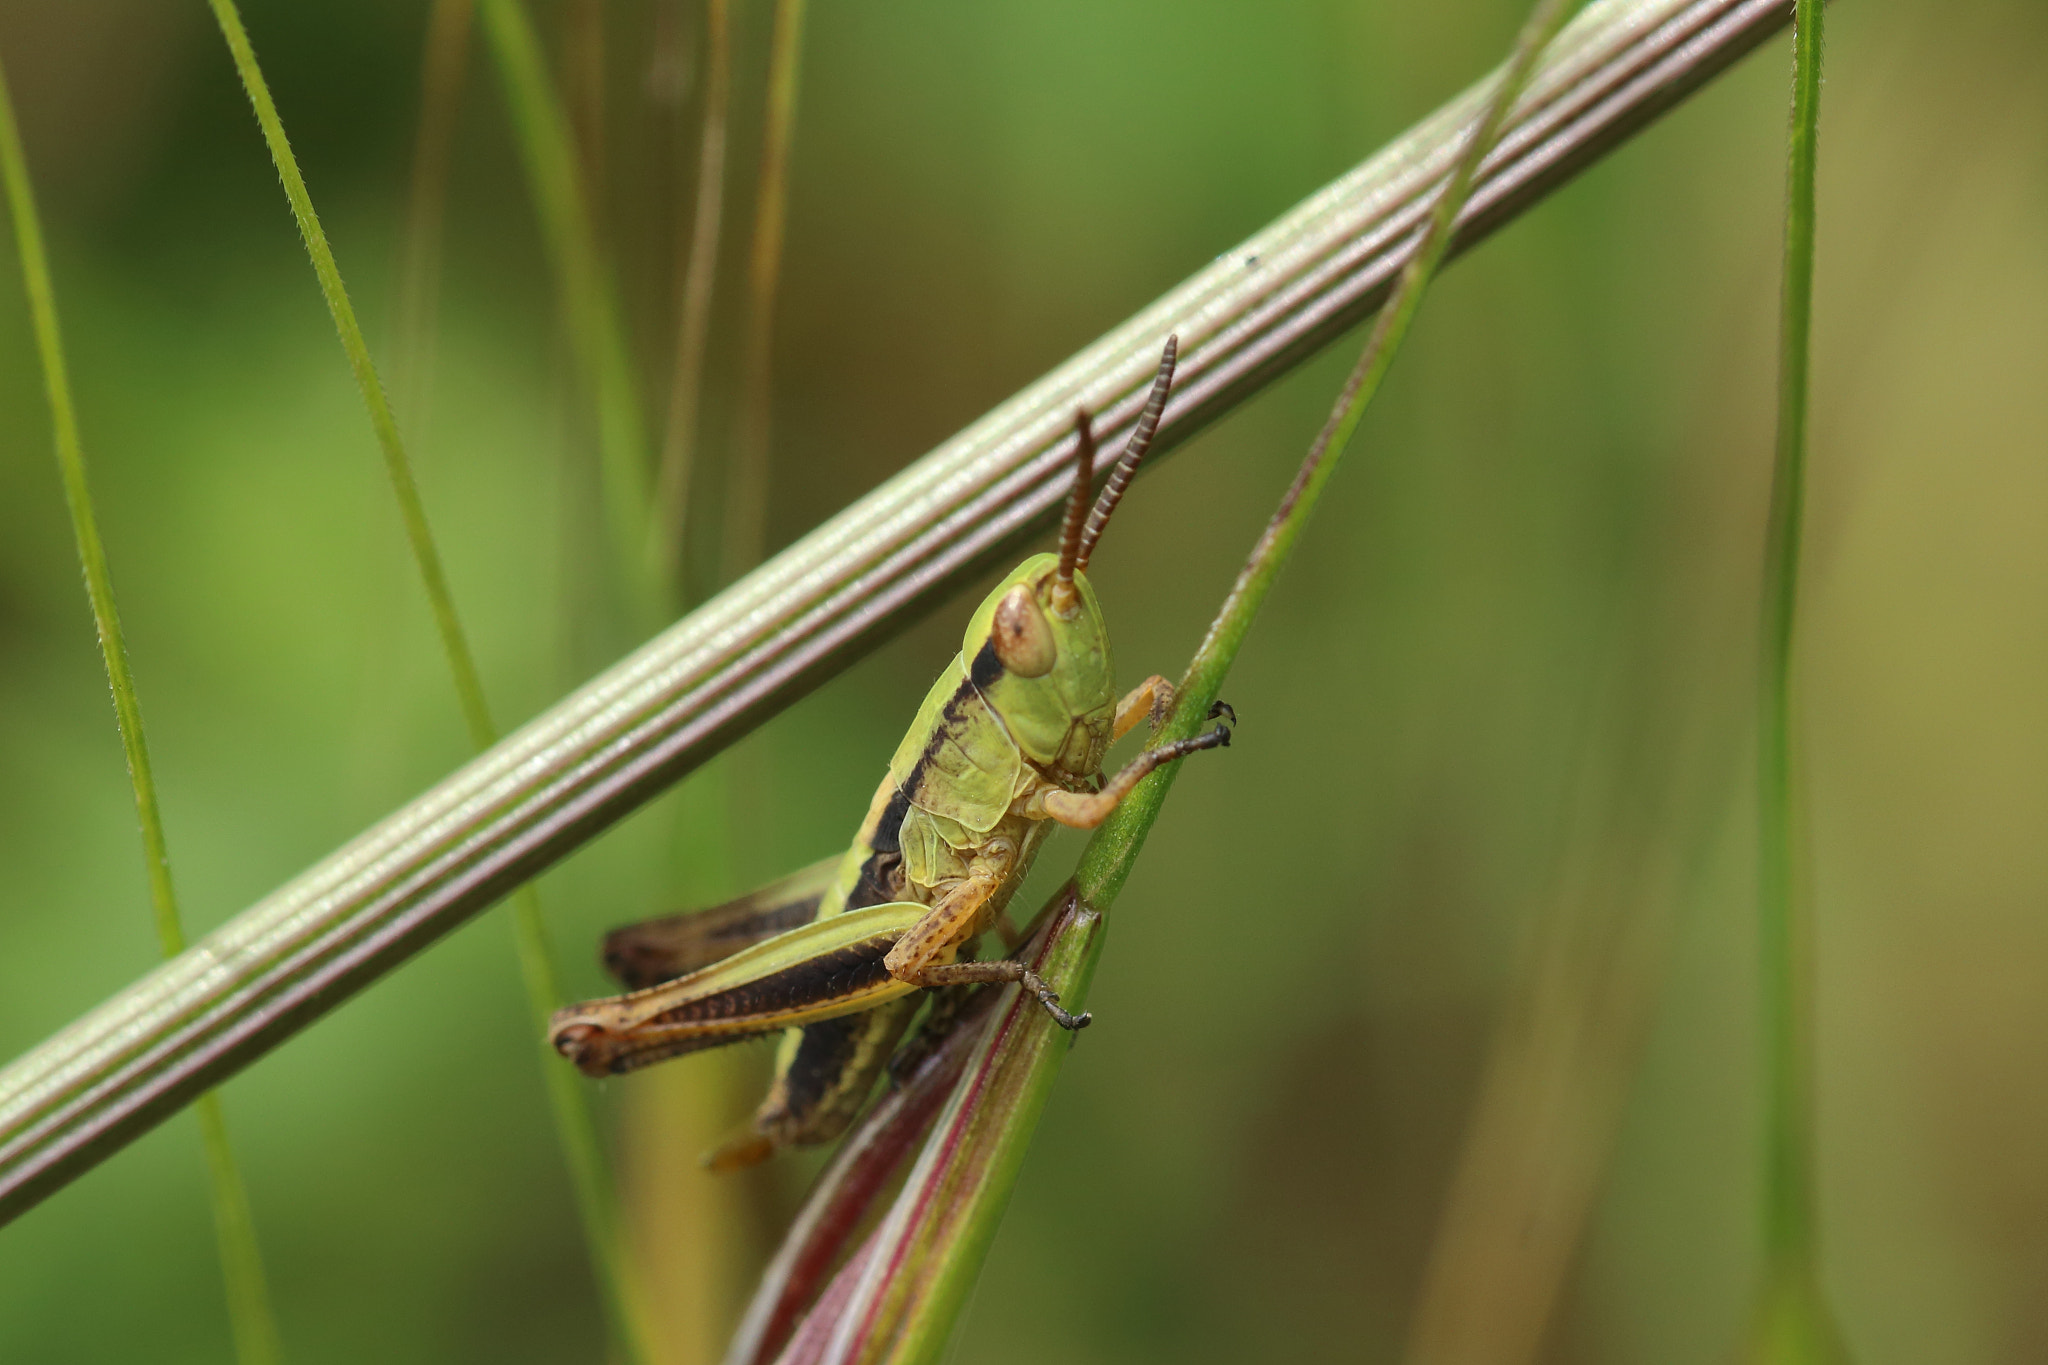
746	520
575	1124
929	1250
1794	1321
596	336
250	1315
693	308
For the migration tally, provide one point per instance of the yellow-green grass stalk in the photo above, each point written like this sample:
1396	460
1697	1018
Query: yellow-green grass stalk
575	1124
250	1315
910	1282
746	518
693	307
444	69
1794	1325
596	339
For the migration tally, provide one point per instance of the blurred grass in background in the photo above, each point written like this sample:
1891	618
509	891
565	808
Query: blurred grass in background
1490	773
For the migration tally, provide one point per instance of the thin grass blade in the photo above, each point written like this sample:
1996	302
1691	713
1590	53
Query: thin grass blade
699	274
747	503
444	70
250	1314
1794	1323
575	1125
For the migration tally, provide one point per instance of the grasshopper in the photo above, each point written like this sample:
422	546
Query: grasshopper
1009	741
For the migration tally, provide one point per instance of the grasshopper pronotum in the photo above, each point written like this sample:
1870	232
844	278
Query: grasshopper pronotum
1010	739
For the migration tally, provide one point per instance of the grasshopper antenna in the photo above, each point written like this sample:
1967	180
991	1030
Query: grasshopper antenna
1064	598
1134	452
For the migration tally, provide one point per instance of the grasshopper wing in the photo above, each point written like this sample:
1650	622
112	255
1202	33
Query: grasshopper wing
657	950
819	971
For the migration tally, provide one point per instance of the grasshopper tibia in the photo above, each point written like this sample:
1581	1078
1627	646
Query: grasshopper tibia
1004	972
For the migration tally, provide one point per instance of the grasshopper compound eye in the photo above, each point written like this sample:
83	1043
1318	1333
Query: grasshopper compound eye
1022	637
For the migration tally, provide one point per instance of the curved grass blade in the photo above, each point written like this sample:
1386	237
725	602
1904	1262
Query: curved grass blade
814	1338
1794	1323
1244	319
575	1125
862	1166
923	1259
930	1249
250	1315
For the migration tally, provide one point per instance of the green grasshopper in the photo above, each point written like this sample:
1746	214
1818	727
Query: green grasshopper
1009	741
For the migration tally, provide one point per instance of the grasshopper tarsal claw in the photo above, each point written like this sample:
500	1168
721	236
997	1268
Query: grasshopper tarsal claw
1223	710
1072	1023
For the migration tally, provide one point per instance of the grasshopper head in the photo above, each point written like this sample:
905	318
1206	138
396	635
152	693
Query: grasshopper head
1037	648
1047	674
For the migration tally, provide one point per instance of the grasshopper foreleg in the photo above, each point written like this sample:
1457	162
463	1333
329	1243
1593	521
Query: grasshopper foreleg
1086	810
1151	700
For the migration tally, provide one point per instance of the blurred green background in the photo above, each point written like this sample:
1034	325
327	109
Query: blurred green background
1426	1026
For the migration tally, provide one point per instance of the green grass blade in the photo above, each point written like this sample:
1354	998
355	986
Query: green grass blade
693	309
931	1246
575	1125
469	687
1794	1323
746	518
596	339
250	1315
1114	850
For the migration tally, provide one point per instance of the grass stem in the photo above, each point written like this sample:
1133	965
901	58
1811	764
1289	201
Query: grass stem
251	1317
745	536
443	73
575	1125
1794	1321
693	308
1115	847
